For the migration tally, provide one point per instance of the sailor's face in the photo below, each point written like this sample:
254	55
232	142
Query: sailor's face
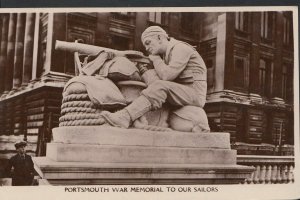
152	45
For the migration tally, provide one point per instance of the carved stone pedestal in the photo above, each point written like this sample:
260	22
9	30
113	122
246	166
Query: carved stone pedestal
108	155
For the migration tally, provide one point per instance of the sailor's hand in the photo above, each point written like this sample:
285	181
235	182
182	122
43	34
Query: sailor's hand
142	67
110	55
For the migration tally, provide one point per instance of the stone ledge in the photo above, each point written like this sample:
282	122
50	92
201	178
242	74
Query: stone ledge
107	135
75	173
138	154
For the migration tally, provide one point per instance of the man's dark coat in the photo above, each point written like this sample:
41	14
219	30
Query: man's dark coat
23	170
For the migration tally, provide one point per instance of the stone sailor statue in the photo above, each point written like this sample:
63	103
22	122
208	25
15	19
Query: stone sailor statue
178	78
129	119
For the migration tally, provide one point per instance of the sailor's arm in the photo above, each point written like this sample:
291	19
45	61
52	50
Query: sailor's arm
179	59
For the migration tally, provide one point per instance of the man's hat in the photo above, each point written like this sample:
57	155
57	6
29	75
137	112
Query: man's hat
153	30
20	144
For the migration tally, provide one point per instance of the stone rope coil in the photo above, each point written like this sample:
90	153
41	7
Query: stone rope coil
76	97
79	109
67	93
86	104
78	116
83	122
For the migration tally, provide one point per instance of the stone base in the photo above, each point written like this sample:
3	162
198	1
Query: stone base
84	173
109	155
107	135
138	154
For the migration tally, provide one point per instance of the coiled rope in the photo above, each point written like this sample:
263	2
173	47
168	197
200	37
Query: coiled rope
83	122
79	110
86	104
76	97
78	116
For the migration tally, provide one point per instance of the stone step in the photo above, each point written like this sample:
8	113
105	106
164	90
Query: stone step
87	173
107	135
138	154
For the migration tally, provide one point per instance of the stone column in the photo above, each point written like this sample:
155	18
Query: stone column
224	52
1	72
3	51
220	53
36	39
254	89
19	49
28	48
49	41
58	58
10	51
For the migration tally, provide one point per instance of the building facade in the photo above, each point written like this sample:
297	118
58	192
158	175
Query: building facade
249	56
250	78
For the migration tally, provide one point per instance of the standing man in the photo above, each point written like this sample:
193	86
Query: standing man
182	78
22	164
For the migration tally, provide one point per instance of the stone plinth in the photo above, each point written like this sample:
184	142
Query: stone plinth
107	135
91	173
109	155
138	154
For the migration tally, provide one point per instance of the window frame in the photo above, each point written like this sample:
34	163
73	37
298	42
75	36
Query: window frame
155	17
267	31
242	22
237	85
187	30
287	30
284	81
266	82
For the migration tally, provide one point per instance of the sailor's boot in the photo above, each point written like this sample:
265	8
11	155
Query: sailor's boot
126	116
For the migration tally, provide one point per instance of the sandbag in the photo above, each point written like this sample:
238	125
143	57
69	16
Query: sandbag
121	69
189	119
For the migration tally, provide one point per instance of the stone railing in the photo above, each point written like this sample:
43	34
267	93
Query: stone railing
269	169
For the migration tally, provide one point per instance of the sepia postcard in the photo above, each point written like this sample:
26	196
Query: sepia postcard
149	103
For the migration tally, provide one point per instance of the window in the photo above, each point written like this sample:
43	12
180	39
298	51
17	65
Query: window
210	73
265	77
187	20
120	43
267	25
287	82
239	72
290	83
241	21
155	17
284	82
262	75
123	16
287	30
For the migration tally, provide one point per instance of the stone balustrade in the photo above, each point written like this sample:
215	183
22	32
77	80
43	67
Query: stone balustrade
269	169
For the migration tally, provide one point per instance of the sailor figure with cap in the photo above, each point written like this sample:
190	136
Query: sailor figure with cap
22	165
181	79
